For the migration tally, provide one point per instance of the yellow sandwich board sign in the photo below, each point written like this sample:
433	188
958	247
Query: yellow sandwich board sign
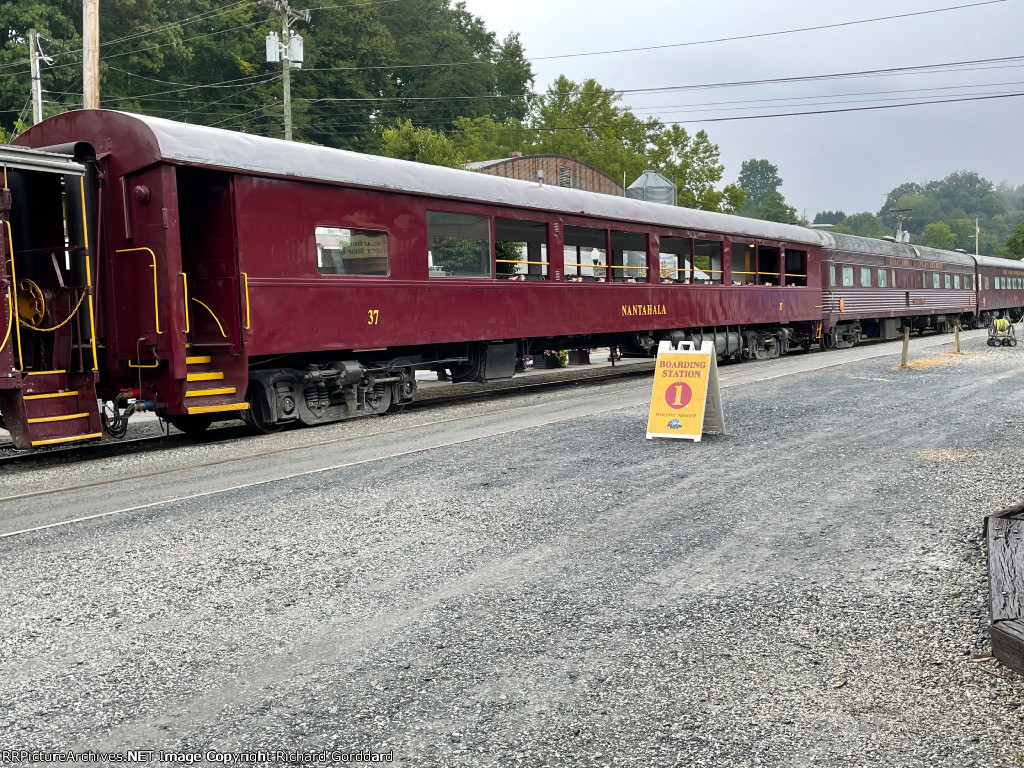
686	400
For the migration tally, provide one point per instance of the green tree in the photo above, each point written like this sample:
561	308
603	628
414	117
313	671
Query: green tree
939	235
863	224
773	207
484	138
1013	248
584	121
423	145
431	81
759	179
829	217
692	162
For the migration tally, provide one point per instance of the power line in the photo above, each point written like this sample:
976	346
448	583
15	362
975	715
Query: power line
590	126
770	34
913	69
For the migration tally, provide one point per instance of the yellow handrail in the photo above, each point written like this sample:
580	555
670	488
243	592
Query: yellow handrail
10	320
156	300
201	304
14	281
513	261
88	277
184	282
245	278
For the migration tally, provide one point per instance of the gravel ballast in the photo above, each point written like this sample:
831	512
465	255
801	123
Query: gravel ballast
808	590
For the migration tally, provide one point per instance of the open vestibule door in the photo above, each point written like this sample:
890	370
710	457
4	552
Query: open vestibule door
48	362
214	294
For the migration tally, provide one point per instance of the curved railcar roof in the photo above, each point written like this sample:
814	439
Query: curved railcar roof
38	160
140	140
997	263
856	244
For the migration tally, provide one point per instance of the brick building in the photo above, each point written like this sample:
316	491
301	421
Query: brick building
558	170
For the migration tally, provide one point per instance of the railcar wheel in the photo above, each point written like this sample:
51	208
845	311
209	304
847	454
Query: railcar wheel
259	417
194	424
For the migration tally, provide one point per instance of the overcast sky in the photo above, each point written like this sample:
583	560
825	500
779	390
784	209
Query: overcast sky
845	161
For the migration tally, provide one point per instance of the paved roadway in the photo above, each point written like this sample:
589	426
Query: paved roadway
35	509
530	582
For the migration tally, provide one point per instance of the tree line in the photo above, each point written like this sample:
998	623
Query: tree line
426	80
943	214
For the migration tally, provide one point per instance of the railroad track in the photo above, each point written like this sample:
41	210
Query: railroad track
11	457
57	502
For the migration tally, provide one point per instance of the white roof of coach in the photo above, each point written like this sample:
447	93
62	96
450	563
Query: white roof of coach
856	244
215	147
997	263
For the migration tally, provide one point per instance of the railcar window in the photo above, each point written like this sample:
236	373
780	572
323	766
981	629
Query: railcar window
946	280
674	259
520	249
767	265
744	264
883	281
460	245
924	279
985	282
847	276
341	251
956	281
629	257
707	257
865	276
936	277
832	275
796	267
585	255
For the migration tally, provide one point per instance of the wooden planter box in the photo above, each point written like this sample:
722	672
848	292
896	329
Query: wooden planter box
1004	534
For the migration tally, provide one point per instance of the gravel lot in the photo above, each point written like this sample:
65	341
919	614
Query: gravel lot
808	590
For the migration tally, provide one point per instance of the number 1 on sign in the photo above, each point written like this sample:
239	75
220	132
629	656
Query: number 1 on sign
678	394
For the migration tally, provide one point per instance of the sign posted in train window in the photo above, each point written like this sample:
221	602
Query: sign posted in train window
686	400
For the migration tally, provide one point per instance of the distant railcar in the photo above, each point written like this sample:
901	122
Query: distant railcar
1000	288
873	288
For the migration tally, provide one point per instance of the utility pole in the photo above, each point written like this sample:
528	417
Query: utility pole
287	50
977	232
37	87
901	214
91	54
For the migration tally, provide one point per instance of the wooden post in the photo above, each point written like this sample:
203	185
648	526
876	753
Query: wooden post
906	345
956	330
91	54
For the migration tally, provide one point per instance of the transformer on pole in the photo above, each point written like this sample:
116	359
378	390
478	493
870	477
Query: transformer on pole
288	50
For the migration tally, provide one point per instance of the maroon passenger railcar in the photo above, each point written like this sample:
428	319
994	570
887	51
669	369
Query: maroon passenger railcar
873	288
1000	288
286	282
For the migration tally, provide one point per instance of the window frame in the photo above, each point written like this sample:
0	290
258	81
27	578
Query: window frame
489	219
320	250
